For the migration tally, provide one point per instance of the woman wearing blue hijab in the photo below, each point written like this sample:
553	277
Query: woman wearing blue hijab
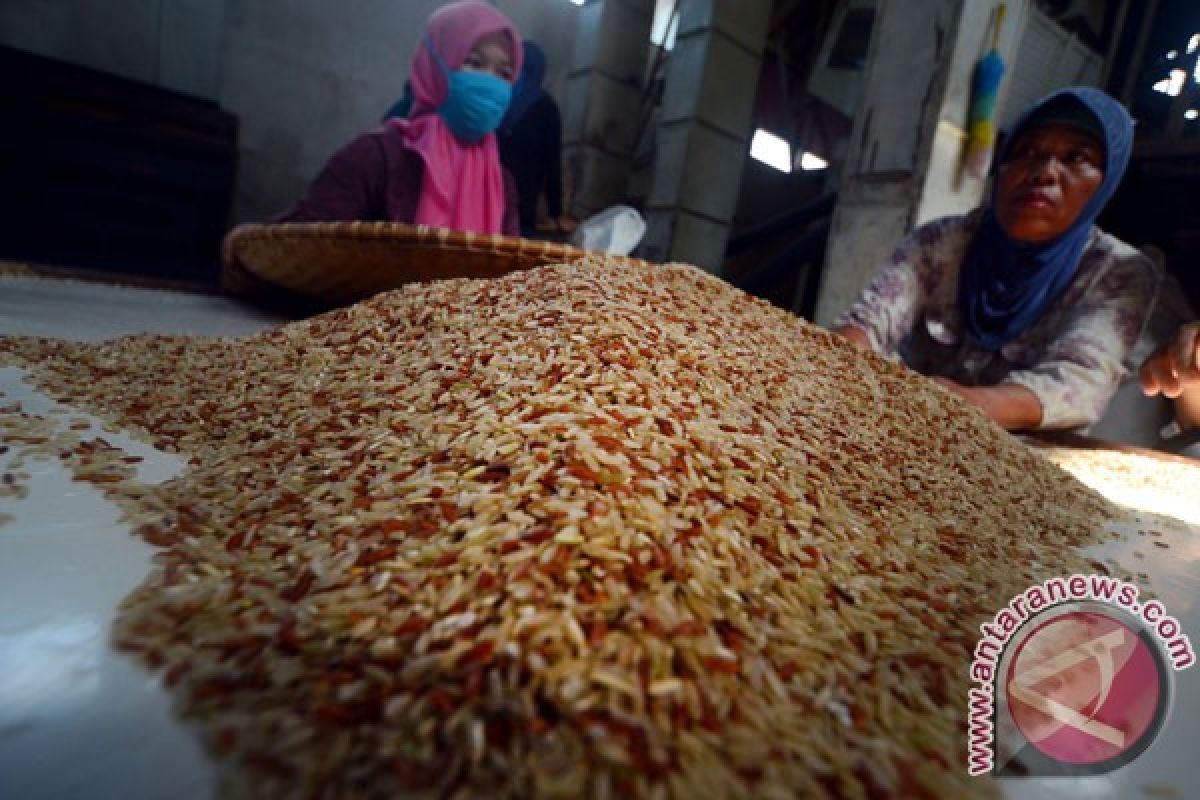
530	139
1024	307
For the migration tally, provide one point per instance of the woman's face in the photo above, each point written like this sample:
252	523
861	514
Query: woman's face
490	54
1050	174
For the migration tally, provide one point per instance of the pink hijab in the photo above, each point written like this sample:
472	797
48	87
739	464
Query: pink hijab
463	185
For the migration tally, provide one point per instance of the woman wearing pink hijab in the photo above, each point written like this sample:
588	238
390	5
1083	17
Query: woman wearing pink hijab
440	166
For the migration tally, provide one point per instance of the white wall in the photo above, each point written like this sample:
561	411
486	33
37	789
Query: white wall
172	43
126	43
303	76
947	188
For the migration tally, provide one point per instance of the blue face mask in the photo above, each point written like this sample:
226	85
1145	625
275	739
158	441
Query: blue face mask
475	101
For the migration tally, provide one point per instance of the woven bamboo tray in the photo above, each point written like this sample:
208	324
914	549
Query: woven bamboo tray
341	262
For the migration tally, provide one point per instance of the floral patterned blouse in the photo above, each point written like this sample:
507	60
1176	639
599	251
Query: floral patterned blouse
1072	358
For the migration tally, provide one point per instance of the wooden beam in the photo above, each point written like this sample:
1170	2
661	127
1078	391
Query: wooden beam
1139	53
1113	42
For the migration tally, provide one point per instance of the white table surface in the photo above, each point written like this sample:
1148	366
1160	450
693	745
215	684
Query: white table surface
77	718
80	720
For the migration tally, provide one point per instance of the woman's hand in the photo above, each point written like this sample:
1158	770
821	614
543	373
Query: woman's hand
1174	372
1175	367
854	334
1010	406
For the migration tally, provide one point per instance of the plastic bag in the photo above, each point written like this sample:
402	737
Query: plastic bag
616	230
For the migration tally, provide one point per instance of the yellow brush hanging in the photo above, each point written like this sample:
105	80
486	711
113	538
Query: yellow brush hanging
981	128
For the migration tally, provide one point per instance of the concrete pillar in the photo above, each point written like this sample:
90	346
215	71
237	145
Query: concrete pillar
704	129
903	166
604	99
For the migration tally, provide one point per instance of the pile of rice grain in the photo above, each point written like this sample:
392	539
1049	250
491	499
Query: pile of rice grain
582	531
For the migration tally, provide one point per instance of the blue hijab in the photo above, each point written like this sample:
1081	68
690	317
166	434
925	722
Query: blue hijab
528	88
1005	286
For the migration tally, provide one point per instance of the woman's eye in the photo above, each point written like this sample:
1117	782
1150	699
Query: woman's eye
1083	157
